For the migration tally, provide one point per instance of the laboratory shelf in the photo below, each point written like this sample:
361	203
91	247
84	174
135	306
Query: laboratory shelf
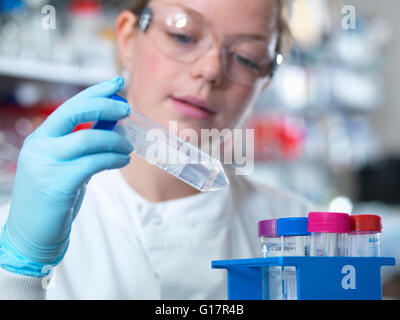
318	278
51	72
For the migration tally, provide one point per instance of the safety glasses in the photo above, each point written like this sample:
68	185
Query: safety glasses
185	38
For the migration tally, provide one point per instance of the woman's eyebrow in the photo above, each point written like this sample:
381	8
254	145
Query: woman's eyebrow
255	36
261	37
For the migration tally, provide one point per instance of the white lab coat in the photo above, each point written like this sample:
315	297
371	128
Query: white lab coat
124	247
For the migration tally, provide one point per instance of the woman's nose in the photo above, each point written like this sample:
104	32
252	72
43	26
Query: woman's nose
210	67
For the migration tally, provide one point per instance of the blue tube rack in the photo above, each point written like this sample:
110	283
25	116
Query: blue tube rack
318	278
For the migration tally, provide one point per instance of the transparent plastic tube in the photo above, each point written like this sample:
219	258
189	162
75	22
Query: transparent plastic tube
270	247
293	246
272	276
364	244
295	241
325	244
364	237
328	233
165	150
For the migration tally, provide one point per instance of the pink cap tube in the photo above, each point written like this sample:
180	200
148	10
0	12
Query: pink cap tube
332	222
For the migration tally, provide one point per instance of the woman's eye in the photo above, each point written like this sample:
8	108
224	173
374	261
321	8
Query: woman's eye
181	38
247	62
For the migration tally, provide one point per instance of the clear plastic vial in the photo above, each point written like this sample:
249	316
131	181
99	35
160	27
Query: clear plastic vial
328	233
170	153
270	247
364	236
295	241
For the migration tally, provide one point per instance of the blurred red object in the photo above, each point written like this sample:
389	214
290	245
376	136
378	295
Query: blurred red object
48	108
37	114
277	137
85	6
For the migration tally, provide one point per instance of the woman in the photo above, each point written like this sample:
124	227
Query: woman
140	232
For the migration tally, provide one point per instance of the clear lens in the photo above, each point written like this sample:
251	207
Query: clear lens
178	35
247	61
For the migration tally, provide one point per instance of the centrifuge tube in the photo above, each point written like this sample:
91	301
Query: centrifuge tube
328	233
364	236
172	154
270	247
295	240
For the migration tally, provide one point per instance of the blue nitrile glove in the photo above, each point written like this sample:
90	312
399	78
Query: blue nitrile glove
53	169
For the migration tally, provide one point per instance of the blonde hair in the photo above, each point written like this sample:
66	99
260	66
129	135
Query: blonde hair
285	36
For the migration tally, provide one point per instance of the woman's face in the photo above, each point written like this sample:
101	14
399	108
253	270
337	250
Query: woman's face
158	84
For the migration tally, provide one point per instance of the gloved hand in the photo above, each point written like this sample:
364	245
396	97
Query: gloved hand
53	169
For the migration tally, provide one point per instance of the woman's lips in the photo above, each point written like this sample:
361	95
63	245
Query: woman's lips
191	110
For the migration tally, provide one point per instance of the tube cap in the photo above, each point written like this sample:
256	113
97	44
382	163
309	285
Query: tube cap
292	227
108	124
267	228
366	222
333	222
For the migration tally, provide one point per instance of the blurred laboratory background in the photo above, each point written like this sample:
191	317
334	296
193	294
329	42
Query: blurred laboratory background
326	128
